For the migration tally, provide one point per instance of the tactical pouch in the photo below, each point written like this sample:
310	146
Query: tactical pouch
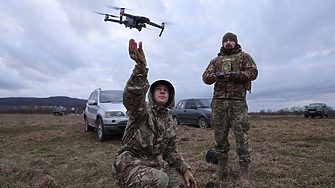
224	65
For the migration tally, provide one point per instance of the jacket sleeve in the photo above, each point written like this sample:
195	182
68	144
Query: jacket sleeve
207	76
135	91
249	70
172	156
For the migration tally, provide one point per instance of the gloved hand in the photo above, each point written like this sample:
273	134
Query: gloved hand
228	76
136	54
232	76
188	176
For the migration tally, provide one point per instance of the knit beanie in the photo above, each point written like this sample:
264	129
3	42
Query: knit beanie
229	36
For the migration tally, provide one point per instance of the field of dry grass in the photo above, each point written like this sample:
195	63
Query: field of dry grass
53	151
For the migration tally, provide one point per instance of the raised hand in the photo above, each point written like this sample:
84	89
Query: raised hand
137	54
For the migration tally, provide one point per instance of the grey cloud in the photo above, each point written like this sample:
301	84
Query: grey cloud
70	51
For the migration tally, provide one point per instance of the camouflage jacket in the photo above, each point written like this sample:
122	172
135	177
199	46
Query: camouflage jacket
232	89
150	131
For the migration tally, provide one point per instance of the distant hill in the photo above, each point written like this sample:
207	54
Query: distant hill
51	101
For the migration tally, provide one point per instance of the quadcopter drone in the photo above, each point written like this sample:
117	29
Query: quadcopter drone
131	21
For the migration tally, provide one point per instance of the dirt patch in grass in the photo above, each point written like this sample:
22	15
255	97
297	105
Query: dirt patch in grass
53	151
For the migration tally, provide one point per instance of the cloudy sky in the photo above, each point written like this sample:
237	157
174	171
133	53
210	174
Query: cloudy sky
60	48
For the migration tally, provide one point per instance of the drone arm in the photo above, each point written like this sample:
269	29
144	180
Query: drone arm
121	14
111	20
159	26
160	34
155	25
127	15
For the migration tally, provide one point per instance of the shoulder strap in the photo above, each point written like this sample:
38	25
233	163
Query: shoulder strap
236	67
236	63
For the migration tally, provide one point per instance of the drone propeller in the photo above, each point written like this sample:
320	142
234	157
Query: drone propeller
118	8
169	23
107	17
105	14
114	7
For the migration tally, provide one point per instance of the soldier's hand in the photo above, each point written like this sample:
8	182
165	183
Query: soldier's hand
230	76
137	54
216	78
227	76
188	176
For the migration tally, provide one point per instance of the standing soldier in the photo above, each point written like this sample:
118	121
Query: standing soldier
150	132
232	72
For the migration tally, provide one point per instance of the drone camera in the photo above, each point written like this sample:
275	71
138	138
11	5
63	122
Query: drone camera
141	25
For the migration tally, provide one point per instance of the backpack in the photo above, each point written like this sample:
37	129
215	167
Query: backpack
211	156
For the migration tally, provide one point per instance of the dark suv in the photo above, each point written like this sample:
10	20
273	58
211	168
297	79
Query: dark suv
317	109
105	112
193	111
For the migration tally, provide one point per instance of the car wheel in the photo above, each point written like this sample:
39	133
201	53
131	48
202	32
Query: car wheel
312	116
327	115
202	122
101	132
306	116
176	120
88	128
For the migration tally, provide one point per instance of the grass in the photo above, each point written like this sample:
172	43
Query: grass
53	151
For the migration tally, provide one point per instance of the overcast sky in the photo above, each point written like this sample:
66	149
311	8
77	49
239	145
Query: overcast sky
60	48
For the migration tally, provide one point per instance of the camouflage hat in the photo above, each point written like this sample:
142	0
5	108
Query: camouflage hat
167	84
229	36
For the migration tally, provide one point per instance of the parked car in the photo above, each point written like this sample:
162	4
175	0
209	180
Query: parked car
317	109
105	112
193	111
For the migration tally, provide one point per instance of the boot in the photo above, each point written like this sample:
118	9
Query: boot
222	170
244	170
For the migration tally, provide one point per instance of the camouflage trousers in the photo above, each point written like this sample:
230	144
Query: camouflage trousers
129	171
231	114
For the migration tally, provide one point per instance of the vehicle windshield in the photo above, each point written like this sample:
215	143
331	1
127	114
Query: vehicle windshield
204	103
111	96
314	106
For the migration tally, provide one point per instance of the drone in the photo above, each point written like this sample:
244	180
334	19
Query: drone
131	21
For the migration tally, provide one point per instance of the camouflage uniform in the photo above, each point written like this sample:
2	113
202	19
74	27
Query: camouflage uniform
229	108
150	132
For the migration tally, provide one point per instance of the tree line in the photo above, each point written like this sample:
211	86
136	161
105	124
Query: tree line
34	109
286	111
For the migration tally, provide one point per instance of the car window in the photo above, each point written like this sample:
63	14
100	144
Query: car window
204	103
180	105
95	96
111	96
314	106
190	103
90	97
